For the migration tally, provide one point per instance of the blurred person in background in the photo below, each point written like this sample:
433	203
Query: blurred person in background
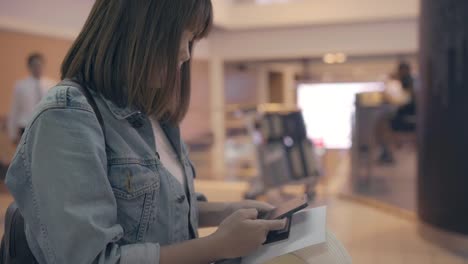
26	95
103	175
399	91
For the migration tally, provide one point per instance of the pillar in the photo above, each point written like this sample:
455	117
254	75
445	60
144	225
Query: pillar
218	126
443	115
262	85
289	87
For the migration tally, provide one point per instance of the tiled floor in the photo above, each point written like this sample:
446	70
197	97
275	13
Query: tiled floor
395	184
372	236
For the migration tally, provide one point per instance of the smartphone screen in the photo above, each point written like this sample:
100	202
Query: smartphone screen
287	209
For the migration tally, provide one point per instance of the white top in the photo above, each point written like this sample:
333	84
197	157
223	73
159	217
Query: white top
27	94
168	156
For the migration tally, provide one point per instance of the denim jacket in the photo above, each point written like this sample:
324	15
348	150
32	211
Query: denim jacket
87	198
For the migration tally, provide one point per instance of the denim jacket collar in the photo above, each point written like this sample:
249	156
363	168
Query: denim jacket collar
135	117
120	113
173	134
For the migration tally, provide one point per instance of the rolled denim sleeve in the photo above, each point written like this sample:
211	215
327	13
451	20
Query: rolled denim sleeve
59	181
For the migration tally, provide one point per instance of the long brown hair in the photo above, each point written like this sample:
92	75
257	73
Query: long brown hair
125	45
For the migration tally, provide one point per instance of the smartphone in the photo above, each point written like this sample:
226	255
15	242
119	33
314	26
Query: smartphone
285	210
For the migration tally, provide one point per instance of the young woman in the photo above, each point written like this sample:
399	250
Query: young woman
123	192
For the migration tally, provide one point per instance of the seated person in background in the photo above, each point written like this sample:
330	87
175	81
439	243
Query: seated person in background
399	91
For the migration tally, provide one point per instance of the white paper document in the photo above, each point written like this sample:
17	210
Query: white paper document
308	228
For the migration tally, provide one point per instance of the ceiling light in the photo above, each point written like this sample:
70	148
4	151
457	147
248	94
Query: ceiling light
335	58
329	58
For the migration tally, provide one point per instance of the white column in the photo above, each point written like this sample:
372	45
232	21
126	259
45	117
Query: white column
262	85
218	126
289	87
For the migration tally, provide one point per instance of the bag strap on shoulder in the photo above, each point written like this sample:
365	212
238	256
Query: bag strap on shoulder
89	97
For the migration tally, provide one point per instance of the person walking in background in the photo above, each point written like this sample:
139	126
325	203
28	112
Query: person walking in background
27	94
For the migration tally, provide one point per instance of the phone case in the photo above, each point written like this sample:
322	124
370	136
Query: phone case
280	235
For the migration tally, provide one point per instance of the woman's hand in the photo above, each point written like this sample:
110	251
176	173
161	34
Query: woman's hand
241	233
261	207
212	214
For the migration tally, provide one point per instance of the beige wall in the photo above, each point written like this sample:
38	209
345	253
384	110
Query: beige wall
14	50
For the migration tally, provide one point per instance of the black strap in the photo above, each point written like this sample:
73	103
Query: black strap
89	97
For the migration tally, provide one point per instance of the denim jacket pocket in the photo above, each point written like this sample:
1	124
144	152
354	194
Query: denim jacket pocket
135	186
